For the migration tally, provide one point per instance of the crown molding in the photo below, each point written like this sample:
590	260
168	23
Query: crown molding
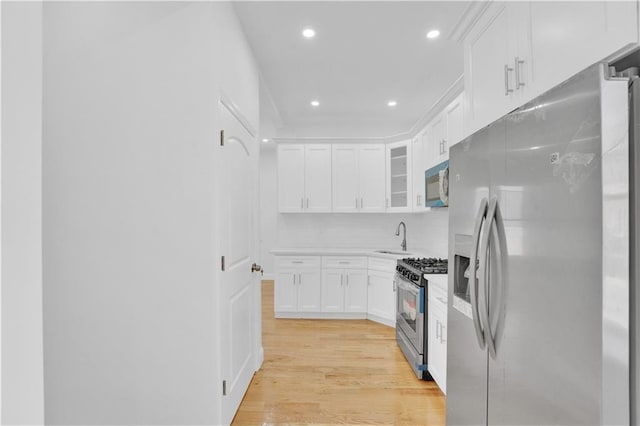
469	17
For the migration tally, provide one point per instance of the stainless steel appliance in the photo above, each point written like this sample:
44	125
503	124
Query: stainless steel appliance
538	327
436	181
411	315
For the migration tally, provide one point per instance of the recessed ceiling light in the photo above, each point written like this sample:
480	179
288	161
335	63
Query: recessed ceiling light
315	103
265	140
308	33
392	103
433	34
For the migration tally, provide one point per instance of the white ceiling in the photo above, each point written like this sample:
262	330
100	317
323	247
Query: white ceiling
364	54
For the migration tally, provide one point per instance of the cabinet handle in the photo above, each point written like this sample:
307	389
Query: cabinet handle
297	261
507	90
394	285
307	202
347	278
437	330
517	65
356	203
361	202
341	280
444	148
299	279
294	279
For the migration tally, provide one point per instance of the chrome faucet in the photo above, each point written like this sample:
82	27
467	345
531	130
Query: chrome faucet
404	235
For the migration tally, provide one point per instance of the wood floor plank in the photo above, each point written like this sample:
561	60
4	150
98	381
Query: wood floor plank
335	372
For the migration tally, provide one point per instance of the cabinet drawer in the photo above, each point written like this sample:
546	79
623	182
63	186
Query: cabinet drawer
383	265
437	295
344	262
297	262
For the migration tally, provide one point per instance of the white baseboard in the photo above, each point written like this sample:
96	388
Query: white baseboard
382	320
321	315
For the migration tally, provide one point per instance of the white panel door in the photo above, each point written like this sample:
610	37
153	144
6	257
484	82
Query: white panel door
345	178
455	123
567	37
333	282
381	297
238	232
487	51
371	178
418	167
309	290
355	290
437	137
317	178
291	178
285	293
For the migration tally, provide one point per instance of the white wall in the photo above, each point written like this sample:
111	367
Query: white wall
22	359
427	231
130	130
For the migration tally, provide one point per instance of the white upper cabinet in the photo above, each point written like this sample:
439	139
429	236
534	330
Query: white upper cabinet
358	178
371	178
291	178
418	165
580	33
491	49
304	178
399	178
515	51
454	115
317	178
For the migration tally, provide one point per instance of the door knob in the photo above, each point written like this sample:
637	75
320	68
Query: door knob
255	268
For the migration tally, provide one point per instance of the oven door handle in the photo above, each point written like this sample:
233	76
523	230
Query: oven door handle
473	278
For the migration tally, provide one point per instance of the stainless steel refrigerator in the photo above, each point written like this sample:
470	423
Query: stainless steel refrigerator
538	325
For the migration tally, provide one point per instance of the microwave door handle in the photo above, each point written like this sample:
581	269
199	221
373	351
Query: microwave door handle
473	278
484	276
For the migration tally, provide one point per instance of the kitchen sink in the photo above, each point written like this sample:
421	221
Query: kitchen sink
399	253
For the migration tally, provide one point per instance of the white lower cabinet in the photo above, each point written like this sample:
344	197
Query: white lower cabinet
437	335
297	291
381	297
297	285
344	290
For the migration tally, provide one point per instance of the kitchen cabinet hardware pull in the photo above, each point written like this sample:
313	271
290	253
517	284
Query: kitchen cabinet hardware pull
517	66
361	203
347	275
341	280
294	279
344	262
307	202
444	146
437	330
507	90
297	261
356	203
299	279
302	203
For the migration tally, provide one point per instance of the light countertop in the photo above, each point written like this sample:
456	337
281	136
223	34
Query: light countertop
350	251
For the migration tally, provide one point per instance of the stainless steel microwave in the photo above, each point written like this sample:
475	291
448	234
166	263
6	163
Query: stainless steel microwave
436	185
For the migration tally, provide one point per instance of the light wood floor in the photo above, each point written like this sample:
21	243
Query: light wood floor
335	372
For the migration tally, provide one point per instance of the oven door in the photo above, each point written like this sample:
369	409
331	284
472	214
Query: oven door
410	312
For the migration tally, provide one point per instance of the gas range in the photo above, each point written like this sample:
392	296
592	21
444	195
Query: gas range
413	269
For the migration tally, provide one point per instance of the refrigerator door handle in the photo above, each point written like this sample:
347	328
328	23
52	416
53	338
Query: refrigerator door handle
473	278
484	275
499	245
